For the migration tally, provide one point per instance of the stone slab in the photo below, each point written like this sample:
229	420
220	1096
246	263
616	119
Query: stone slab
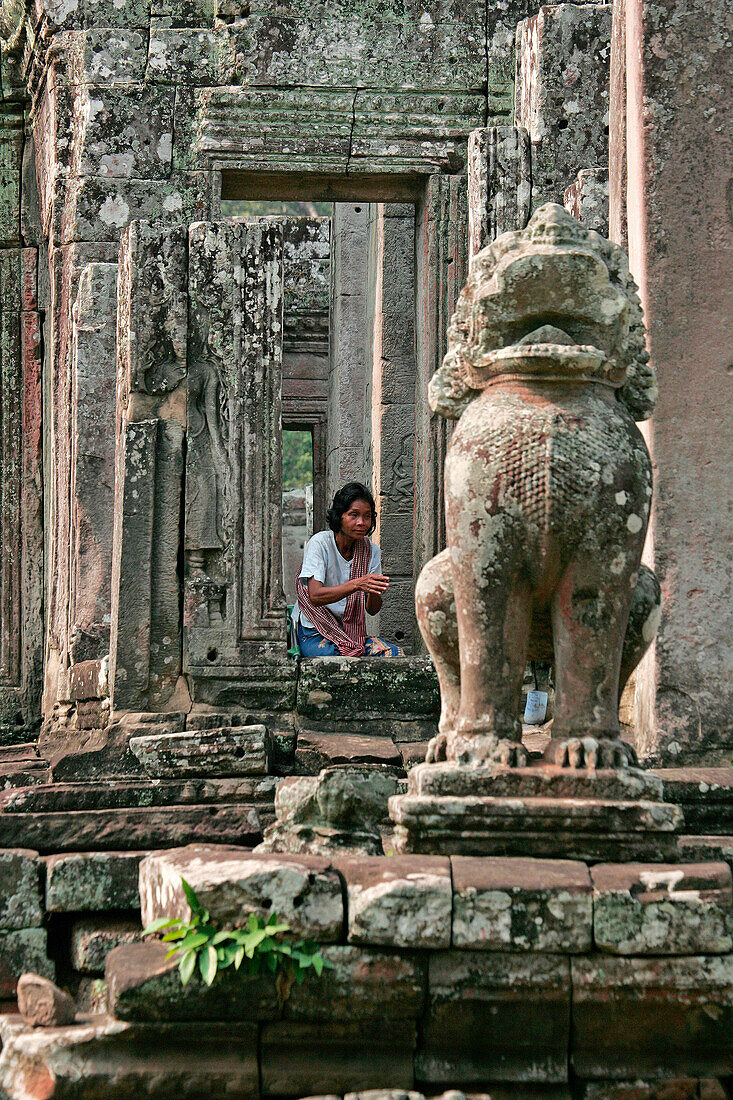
79	882
156	827
504	904
675	1088
92	940
402	901
118	794
363	985
658	909
583	829
102	1057
652	1018
700	848
495	1017
22	951
542	781
21	904
243	750
304	892
339	1057
317	751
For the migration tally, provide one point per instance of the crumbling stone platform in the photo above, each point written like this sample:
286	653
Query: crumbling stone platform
510	976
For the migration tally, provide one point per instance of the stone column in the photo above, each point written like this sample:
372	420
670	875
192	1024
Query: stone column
617	129
348	335
21	519
234	607
145	644
680	214
499	183
441	270
92	461
562	94
391	412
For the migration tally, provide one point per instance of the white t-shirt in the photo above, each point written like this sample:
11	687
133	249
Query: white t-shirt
322	559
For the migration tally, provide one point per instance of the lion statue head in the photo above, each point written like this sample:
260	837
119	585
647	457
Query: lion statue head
555	302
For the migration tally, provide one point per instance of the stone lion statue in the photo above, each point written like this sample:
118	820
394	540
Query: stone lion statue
548	487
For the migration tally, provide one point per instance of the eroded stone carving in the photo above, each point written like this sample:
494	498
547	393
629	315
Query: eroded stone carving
548	487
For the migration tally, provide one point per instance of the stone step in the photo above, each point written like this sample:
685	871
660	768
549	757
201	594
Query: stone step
134	828
99	1056
116	794
24	773
84	882
213	753
704	794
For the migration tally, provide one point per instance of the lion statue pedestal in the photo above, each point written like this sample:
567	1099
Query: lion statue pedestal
548	488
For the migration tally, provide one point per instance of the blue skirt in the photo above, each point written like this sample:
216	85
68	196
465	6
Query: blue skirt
313	644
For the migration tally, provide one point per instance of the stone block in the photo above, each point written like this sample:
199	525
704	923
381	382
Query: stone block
21	905
103	1057
21	952
362	986
232	751
93	56
676	1088
42	1003
521	904
402	901
340	1056
304	892
562	93
495	1017
658	909
315	751
354	687
121	131
191	56
92	940
142	987
652	1018
92	881
705	796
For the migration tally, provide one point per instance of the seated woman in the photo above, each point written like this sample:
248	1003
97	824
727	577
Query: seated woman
340	580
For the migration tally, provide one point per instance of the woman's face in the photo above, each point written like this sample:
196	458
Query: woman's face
357	519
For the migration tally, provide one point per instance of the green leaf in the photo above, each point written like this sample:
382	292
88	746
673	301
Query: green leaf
238	957
186	966
190	895
194	940
173	951
208	964
317	964
160	923
220	937
176	934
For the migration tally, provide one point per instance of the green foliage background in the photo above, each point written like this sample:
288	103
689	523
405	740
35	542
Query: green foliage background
297	459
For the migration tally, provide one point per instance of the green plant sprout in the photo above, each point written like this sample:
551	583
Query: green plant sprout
199	943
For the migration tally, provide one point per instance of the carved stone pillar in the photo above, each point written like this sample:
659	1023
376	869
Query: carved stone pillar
21	530
441	269
145	646
234	608
391	411
499	183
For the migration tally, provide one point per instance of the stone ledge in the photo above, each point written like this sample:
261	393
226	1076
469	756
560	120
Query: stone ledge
403	901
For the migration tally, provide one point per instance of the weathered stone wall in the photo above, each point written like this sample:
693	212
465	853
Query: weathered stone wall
680	224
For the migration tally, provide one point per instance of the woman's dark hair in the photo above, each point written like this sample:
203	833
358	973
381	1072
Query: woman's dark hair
344	498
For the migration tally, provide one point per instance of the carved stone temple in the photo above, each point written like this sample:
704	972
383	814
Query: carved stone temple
481	253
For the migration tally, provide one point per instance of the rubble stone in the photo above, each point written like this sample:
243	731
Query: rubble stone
658	909
43	1004
403	901
304	892
522	904
317	751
